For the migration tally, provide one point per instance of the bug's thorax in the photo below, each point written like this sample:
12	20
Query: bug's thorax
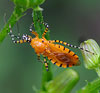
39	44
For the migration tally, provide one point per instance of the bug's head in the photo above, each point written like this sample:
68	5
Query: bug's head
26	37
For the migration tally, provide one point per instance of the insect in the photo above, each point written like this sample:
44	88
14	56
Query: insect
56	53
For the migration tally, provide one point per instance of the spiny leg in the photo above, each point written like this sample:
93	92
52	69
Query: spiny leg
35	33
10	33
32	31
38	57
67	44
45	63
46	28
13	37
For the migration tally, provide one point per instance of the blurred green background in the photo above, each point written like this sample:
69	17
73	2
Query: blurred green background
69	20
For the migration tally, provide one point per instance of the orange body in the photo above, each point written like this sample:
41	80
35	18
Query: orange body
58	54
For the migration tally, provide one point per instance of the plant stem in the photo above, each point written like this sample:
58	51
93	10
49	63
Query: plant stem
17	14
37	19
37	15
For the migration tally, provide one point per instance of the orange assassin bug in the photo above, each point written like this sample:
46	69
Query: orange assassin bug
56	53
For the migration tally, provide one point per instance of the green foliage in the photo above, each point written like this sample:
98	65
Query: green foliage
92	87
28	3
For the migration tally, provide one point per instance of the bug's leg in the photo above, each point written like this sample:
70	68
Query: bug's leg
46	28
13	37
67	44
17	41
38	57
45	63
32	31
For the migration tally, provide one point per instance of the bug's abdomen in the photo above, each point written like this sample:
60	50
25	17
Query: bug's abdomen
61	56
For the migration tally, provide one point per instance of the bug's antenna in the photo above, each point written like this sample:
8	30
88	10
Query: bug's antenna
67	44
79	48
18	28
5	21
5	18
17	24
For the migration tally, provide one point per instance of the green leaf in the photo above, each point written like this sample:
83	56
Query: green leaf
92	87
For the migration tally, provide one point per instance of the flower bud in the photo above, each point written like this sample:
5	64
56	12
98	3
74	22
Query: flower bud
63	83
91	58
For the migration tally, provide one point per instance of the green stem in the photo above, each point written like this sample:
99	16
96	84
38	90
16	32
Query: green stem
91	87
17	14
37	15
37	19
